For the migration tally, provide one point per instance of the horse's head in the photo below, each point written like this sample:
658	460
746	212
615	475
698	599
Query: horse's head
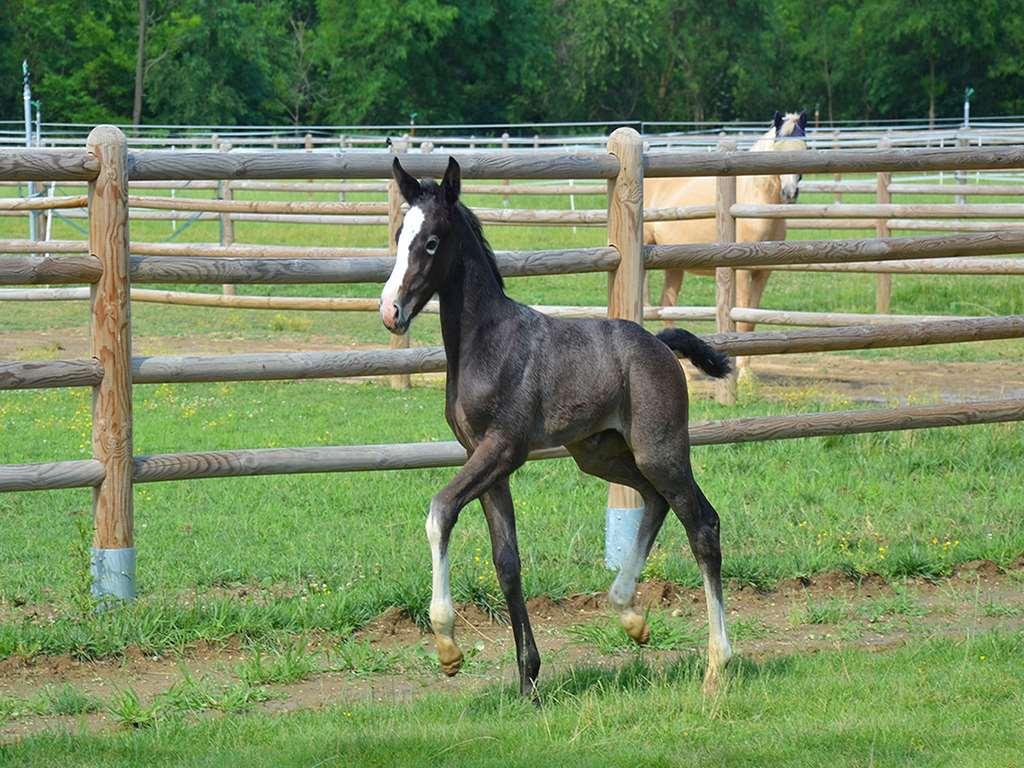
788	134
424	250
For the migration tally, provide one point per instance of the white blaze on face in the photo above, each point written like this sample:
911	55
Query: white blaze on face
410	228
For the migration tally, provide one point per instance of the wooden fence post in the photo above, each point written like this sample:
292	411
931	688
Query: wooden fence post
959	175
626	301
395	215
883	282
505	182
725	277
837	177
227	225
113	552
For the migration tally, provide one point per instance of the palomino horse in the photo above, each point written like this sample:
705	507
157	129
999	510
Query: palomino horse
786	134
518	380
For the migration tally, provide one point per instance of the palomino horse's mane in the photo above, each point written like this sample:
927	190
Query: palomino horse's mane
790	122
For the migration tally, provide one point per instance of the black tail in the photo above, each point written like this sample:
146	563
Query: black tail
697	351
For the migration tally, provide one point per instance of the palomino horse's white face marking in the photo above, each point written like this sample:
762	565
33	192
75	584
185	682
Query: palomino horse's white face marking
411	226
786	141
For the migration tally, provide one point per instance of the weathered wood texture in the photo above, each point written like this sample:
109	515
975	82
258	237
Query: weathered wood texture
169	269
229	205
312	303
43	374
726	389
252	251
877	210
1000	190
827	319
50	246
883	281
44	477
227	224
270	461
111	340
43	294
159	165
913	225
267	366
197	249
47	165
42	203
49	270
902	334
970	266
770	253
829	161
625	235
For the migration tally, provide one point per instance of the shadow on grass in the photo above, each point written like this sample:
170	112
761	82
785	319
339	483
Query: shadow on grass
634	675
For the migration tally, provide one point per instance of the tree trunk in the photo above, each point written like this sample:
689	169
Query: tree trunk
140	63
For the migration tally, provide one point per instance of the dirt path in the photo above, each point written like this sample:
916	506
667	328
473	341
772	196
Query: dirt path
830	611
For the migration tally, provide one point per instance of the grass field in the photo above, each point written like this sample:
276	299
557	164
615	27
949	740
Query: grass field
270	560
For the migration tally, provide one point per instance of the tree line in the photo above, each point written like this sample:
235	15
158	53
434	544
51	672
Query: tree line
481	61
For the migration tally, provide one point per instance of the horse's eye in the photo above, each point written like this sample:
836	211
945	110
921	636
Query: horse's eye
432	243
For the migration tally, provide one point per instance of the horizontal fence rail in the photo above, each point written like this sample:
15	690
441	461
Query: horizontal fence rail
273	461
159	165
108	264
265	366
829	161
47	165
770	253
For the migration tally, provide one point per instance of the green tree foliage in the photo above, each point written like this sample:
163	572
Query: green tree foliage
382	61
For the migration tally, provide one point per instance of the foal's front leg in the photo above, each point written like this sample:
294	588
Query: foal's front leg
491	460
501	522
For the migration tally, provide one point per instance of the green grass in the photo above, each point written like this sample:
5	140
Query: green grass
667	634
828	611
289	664
361	657
328	552
823	708
900	603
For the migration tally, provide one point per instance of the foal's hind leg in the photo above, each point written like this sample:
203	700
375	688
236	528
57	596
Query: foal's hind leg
702	529
607	456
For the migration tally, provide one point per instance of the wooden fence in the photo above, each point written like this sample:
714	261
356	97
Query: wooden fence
110	266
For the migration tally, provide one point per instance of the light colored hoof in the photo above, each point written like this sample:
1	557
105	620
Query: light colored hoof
449	655
712	682
636	627
715	674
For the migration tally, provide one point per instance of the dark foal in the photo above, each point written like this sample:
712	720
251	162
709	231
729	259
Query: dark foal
609	391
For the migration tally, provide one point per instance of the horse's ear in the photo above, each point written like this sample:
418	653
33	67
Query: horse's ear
452	182
777	120
407	185
803	118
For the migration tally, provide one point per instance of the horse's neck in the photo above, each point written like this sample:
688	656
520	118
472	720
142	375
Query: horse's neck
471	296
760	189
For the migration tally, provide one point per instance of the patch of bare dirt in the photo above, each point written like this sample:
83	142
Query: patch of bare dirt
874	615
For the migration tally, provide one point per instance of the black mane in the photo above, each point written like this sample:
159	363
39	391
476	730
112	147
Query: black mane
478	231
